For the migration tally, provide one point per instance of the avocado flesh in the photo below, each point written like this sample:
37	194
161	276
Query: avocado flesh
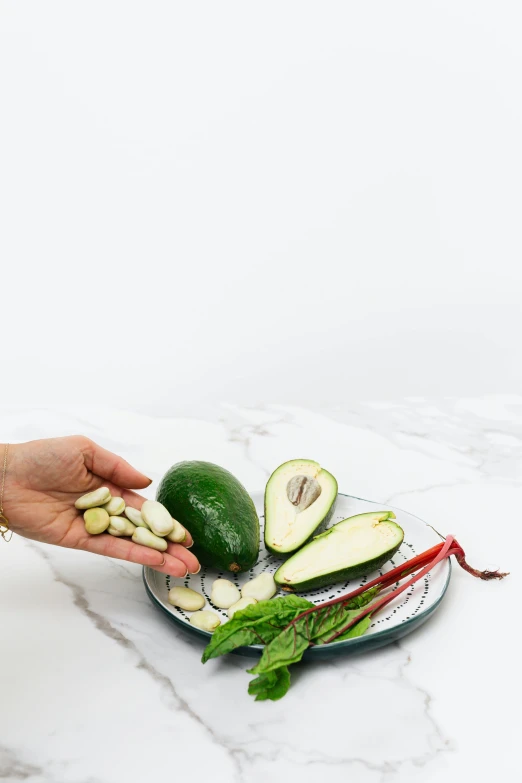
350	549
287	528
216	510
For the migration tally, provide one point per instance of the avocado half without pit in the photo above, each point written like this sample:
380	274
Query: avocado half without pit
350	549
299	497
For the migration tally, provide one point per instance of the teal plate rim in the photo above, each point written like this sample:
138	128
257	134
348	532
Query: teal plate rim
366	642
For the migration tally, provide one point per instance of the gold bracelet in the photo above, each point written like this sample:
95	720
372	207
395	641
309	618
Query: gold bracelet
5	531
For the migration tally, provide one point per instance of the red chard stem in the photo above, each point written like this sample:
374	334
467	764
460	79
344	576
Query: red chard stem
425	561
486	575
377	605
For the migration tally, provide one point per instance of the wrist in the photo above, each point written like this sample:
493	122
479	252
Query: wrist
8	482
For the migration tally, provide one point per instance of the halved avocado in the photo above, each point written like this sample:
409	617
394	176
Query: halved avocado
299	497
351	548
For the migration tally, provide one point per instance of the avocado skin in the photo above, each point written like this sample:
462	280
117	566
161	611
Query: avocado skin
343	575
216	510
319	529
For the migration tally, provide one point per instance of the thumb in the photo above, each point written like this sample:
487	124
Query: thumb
112	468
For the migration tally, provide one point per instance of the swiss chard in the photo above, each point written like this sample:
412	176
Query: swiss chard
271	686
356	630
288	626
257	624
313	626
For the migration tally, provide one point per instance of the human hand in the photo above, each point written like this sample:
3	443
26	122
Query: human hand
43	480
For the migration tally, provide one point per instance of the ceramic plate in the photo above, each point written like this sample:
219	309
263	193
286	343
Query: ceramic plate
399	617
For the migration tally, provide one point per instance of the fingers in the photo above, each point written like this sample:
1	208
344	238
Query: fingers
172	561
121	549
111	467
179	552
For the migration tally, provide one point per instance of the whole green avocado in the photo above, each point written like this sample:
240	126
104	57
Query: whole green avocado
216	510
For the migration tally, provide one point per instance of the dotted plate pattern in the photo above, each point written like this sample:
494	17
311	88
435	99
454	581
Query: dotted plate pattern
403	614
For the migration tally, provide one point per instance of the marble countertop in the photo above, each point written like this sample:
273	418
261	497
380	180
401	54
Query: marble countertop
97	687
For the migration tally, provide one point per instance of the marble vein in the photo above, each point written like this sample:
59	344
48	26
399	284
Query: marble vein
479	445
241	753
13	768
105	627
246	434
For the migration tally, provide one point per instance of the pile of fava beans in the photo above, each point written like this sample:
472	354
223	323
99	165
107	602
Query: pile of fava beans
152	526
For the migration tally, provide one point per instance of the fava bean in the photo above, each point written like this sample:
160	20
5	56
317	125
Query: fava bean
113	532
94	499
207	621
96	521
146	538
157	517
134	516
186	599
114	507
123	525
241	604
224	593
177	534
261	588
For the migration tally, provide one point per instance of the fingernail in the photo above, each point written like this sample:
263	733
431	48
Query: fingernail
163	561
196	572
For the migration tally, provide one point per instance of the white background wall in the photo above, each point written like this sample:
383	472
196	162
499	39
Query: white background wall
282	201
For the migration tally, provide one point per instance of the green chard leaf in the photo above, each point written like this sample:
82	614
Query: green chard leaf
328	619
331	619
356	630
273	685
317	627
363	599
286	648
257	624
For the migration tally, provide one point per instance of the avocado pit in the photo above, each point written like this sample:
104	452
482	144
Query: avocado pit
302	491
